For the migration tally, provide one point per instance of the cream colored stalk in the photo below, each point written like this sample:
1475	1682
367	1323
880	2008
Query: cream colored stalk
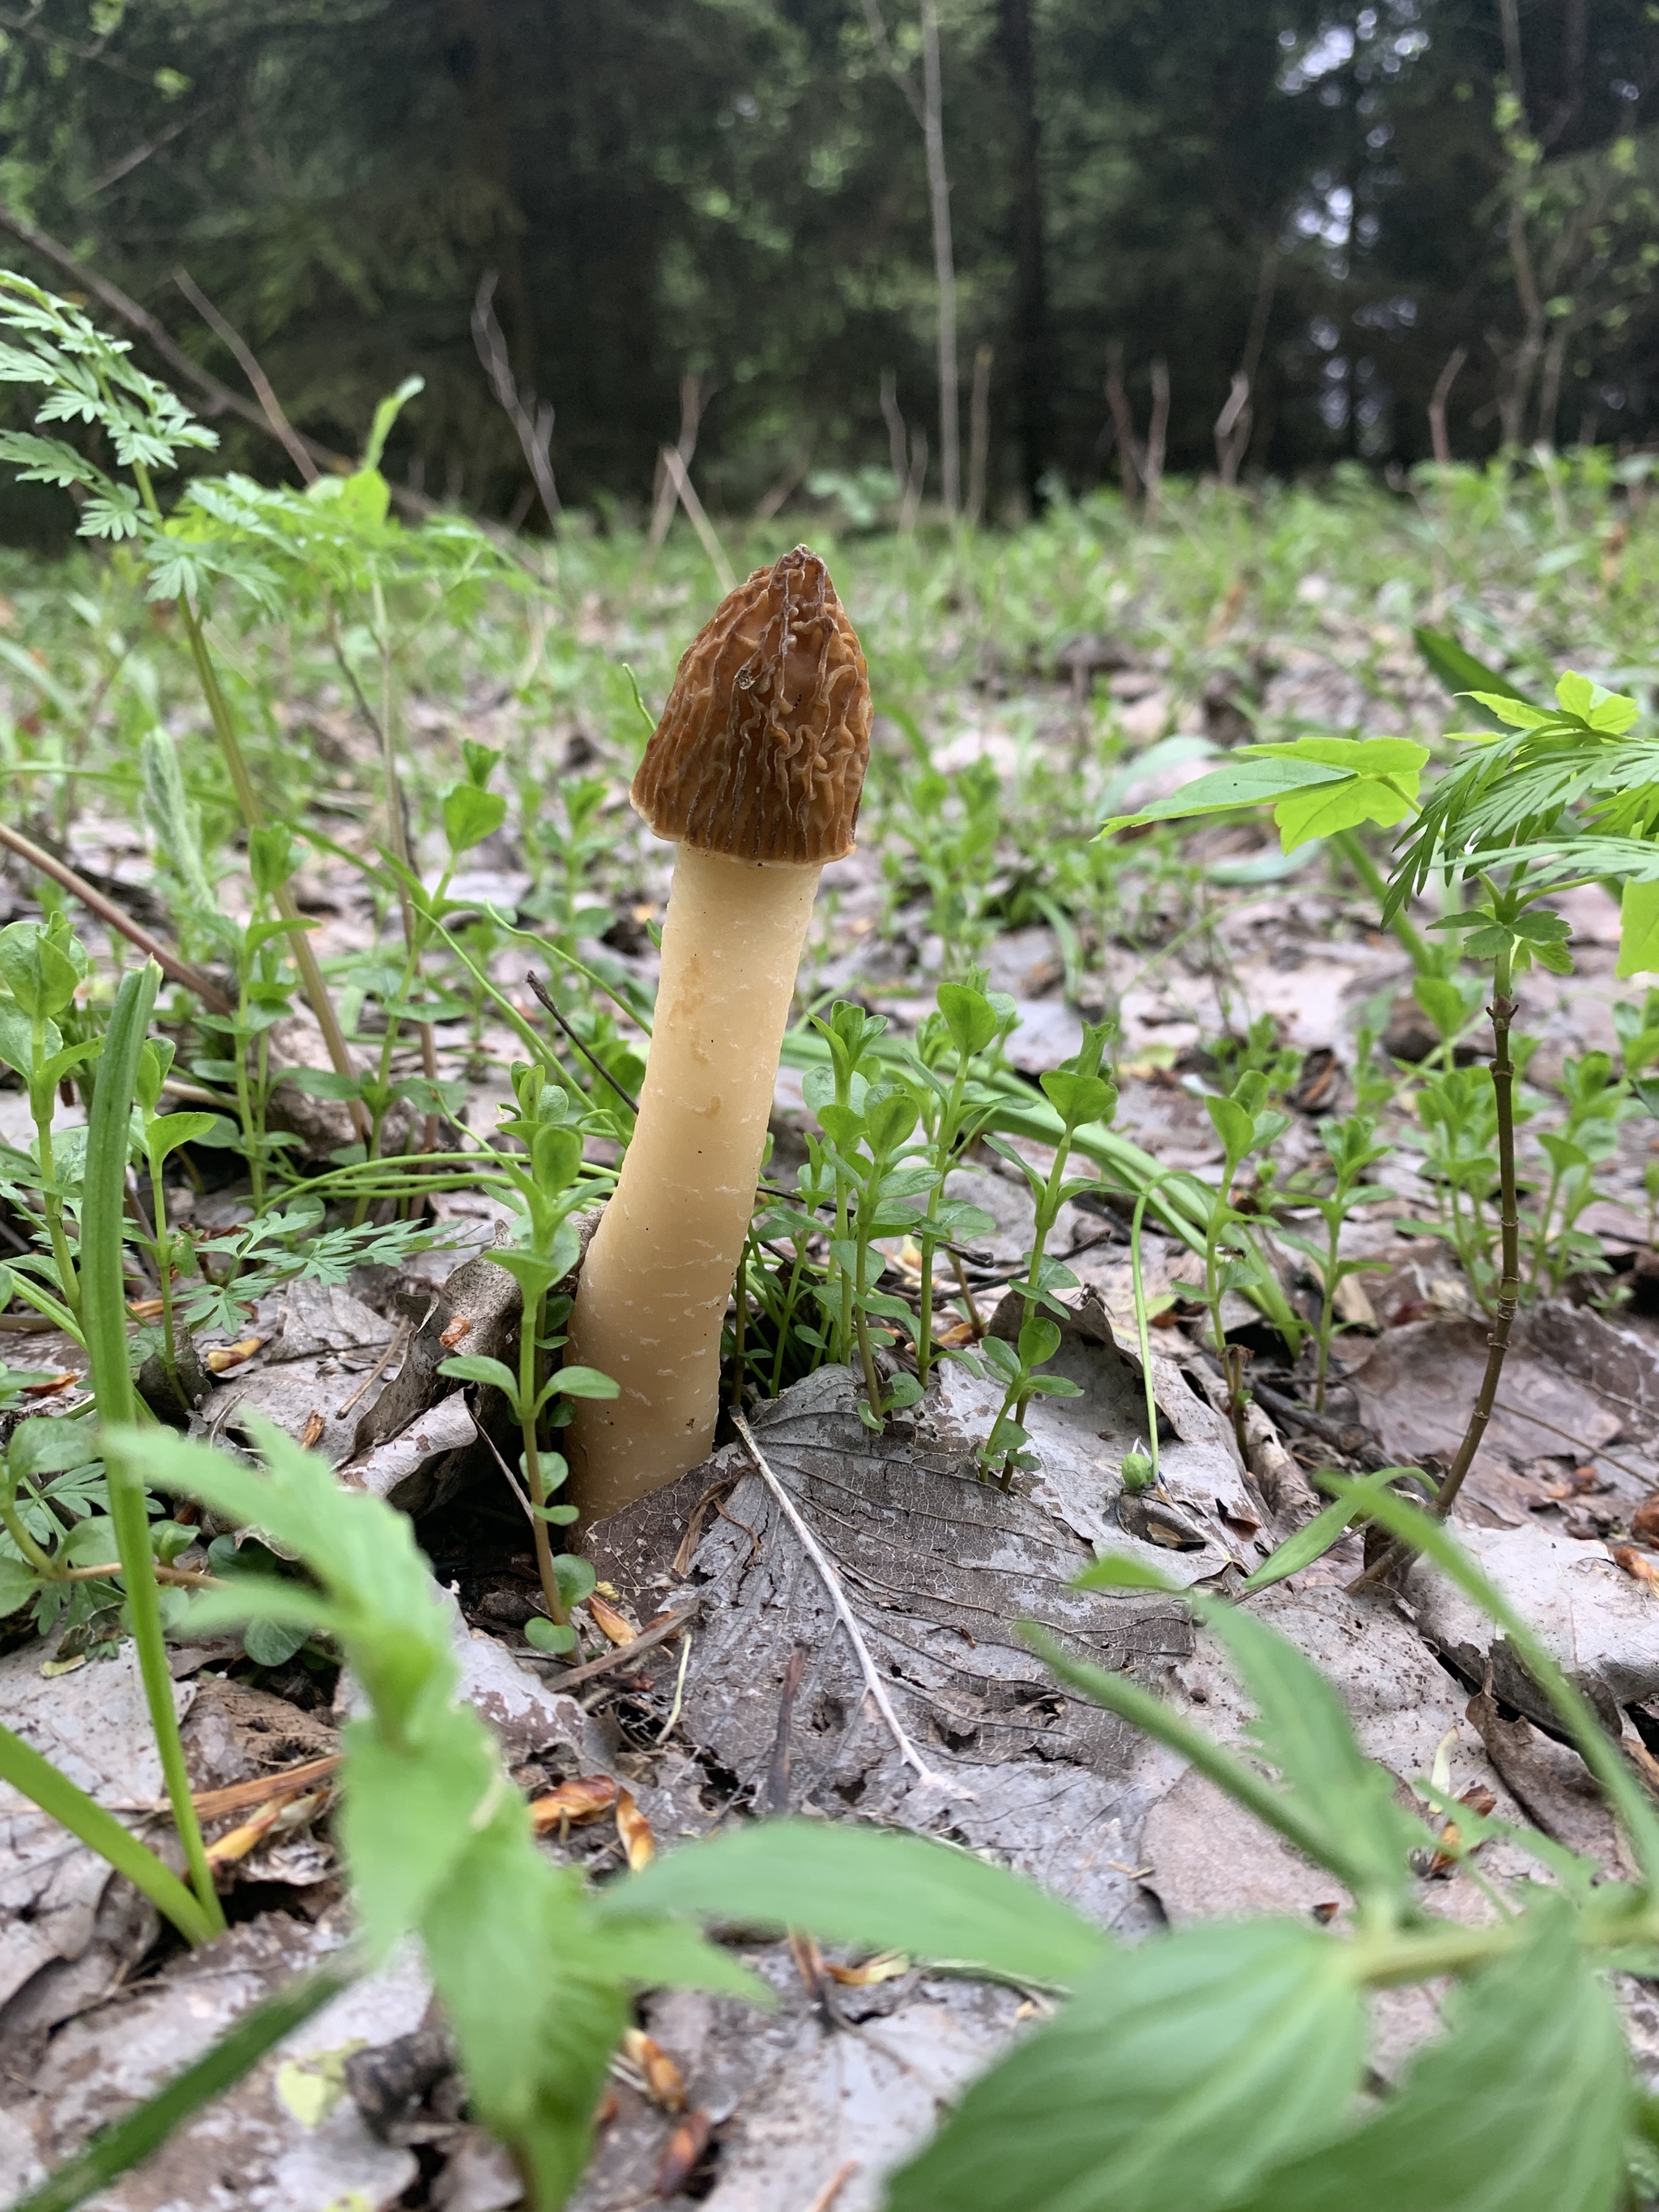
756	771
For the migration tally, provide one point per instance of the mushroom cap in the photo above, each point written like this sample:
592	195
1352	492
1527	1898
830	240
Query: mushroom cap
763	745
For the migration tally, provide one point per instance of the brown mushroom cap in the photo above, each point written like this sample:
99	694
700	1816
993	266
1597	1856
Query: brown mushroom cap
761	748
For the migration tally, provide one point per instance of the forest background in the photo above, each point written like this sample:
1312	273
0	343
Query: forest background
715	214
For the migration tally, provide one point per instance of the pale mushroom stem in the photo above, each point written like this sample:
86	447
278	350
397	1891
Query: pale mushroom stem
658	1272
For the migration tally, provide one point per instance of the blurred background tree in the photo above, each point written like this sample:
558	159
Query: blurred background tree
711	217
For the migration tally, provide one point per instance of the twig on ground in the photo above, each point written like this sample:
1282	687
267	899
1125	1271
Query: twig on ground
394	1345
177	970
513	1485
832	2188
831	1580
647	1640
667	1728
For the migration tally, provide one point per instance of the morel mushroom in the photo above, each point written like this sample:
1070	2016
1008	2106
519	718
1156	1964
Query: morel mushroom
754	771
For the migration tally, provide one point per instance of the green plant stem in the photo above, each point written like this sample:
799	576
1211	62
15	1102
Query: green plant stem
164	1271
25	1770
1143	1326
1328	1301
103	1305
944	1144
530	1332
13	1523
116	2150
1423	958
51	1205
1509	1287
305	957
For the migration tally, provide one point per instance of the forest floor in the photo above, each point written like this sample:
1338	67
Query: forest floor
1026	689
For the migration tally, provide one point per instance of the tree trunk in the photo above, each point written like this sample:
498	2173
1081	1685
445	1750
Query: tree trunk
938	195
1033	349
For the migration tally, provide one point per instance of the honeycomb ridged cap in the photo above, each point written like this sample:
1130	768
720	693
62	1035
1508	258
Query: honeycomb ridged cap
761	748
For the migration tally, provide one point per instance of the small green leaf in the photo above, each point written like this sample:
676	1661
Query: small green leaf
475	1367
18	1582
544	1635
969	1018
1039	1340
584	1383
271	1642
471	815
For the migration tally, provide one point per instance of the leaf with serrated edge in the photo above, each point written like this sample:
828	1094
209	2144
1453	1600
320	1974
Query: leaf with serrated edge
1179	2072
870	1886
1520	2109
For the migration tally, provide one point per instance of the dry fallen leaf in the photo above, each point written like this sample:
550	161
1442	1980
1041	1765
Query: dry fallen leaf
583	1798
311	1430
664	2083
276	1813
145	1309
959	1333
231	1355
610	1621
886	1966
635	1830
681	2154
1637	1565
1644	1522
52	1384
1479	1799
457	1330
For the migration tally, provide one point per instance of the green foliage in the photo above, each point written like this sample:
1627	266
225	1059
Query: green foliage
437	1841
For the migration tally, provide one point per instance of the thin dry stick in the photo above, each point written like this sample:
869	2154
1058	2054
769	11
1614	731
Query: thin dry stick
831	1582
1437	399
979	435
664	1631
531	419
927	106
597	1065
1157	434
513	1485
1123	423
1502	1010
251	369
168	962
394	1345
699	519
832	2188
663	494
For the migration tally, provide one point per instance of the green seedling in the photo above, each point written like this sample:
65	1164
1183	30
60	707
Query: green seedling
551	1185
1351	1147
1082	1098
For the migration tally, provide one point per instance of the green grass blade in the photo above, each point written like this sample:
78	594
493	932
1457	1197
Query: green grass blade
104	1312
118	2149
24	1768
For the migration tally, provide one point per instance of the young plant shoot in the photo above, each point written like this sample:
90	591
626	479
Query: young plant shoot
755	772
